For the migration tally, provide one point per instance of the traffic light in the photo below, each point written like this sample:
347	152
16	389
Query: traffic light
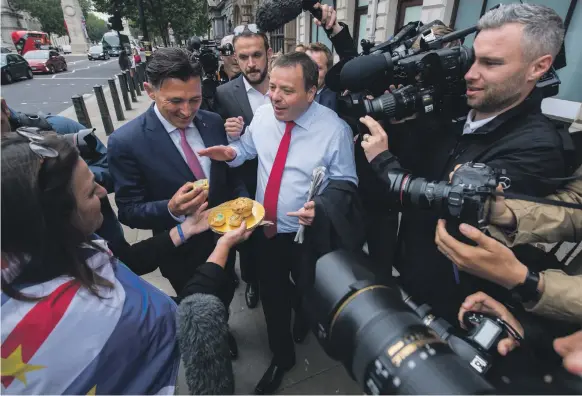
115	22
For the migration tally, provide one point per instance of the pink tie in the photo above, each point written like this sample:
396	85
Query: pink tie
191	158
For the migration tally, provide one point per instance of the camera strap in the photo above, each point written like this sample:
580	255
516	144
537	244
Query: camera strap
544	201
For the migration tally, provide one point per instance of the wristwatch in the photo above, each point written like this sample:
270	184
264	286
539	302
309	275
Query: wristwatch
527	291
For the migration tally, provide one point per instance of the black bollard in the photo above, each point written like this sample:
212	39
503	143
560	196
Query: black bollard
116	101
143	72
103	109
123	86
136	81
140	76
130	85
81	111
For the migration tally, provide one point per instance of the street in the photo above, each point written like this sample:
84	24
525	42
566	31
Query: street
51	93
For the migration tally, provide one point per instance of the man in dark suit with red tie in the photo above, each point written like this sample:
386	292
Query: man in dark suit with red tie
153	157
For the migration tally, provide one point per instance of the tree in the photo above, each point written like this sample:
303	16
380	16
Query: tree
187	17
96	27
48	13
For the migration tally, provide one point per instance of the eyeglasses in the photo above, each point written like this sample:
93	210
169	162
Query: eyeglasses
35	144
252	28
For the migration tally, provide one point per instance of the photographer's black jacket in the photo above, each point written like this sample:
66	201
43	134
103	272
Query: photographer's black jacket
521	140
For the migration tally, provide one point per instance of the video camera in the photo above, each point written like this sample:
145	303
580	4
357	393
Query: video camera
390	345
432	75
207	53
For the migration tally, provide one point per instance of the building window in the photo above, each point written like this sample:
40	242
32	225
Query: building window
466	13
278	40
318	35
360	23
408	11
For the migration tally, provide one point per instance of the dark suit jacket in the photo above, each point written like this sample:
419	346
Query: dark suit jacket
327	98
147	170
232	101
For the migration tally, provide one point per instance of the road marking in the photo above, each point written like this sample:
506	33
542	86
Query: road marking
24	103
53	77
65	102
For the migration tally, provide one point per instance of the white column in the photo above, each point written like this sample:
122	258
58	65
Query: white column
72	13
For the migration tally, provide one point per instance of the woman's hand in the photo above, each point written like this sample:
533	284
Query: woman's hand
220	254
234	237
193	225
196	223
481	302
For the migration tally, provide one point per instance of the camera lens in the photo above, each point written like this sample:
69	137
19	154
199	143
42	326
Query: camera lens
361	320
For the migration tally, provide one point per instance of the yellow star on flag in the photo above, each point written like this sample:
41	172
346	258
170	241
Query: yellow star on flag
13	366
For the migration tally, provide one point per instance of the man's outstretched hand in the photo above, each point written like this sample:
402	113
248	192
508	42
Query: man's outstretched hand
218	153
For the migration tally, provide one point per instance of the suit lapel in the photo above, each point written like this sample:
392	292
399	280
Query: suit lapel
161	140
240	94
204	130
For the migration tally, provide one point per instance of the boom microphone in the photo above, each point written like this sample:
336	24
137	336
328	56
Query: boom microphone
203	339
272	14
365	71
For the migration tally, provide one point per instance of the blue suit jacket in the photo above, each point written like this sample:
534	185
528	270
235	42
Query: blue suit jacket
148	169
327	98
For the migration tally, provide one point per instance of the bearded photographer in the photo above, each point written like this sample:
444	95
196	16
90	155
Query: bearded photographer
505	130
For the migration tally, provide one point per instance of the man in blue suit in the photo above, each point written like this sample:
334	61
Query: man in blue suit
153	158
323	58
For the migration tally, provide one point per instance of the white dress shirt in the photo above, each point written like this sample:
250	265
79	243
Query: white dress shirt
320	138
192	137
256	99
471	126
194	140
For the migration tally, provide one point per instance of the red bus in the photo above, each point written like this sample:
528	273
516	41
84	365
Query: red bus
25	40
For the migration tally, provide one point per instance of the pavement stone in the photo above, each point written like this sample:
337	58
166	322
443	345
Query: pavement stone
314	372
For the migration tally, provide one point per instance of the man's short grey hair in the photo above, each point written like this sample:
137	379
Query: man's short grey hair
543	29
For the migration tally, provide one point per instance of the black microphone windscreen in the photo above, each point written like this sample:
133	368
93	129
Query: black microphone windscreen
202	324
273	14
364	72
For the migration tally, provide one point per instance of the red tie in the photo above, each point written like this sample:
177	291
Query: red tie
191	158
274	183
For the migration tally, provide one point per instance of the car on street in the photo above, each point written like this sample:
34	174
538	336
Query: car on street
5	50
67	49
97	52
46	61
14	68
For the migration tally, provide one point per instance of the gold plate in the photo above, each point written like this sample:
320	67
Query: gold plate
253	220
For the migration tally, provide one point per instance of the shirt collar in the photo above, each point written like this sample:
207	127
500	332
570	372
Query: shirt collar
249	87
167	125
471	126
306	119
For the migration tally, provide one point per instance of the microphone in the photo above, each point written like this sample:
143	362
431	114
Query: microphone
272	14
202	325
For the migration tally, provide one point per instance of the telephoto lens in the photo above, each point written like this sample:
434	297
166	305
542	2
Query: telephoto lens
361	320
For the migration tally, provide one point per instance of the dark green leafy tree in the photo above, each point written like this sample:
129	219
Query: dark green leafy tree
96	27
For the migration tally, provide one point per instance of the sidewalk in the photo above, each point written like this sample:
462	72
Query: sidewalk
314	372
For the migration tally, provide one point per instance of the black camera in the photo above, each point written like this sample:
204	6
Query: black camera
389	345
361	319
463	199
